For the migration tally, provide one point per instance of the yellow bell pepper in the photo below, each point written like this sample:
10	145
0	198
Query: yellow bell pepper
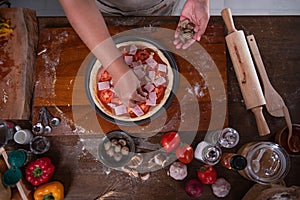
53	190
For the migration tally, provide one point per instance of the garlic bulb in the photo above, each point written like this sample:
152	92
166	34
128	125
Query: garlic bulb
178	171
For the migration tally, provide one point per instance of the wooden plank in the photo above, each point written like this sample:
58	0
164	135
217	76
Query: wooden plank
17	68
60	81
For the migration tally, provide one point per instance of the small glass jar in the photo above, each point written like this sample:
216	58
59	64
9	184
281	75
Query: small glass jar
208	153
227	138
39	145
267	162
233	161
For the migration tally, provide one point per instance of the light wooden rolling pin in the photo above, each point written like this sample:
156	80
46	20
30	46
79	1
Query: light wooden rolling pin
245	72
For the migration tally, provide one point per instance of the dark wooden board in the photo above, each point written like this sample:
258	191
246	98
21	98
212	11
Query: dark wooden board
17	68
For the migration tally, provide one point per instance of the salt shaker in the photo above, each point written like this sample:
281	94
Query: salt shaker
208	153
227	138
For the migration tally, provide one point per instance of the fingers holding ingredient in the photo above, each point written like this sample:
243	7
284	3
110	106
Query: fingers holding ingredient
129	90
184	34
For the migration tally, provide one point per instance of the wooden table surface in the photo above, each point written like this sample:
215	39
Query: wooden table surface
61	74
278	38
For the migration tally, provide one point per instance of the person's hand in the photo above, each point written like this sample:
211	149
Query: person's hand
128	89
197	12
126	84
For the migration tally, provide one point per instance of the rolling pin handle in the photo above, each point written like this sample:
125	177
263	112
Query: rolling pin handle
262	126
227	17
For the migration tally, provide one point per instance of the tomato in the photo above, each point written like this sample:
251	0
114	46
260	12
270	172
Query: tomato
105	76
207	174
142	55
105	95
160	91
170	141
185	153
145	108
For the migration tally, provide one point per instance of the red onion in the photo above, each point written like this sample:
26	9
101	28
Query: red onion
194	188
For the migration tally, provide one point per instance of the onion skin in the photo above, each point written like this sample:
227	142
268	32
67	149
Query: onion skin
221	187
178	171
194	188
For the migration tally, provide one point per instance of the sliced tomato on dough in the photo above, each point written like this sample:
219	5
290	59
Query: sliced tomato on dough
105	95
104	76
160	92
145	108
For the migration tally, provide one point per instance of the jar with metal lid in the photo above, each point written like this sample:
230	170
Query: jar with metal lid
227	137
267	162
208	153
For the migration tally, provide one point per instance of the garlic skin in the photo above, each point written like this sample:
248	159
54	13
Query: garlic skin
178	171
221	187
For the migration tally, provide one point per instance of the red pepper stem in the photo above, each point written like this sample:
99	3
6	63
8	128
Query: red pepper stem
37	172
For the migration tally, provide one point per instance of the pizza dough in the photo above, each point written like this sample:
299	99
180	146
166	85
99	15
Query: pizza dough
134	46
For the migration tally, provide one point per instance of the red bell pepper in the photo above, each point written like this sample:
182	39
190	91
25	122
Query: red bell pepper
39	171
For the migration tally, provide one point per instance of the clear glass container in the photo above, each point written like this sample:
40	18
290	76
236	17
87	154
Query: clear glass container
227	138
208	153
267	162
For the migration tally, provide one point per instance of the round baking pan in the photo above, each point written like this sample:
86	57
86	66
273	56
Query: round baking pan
133	122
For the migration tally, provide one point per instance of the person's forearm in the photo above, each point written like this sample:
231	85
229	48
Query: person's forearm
87	21
89	24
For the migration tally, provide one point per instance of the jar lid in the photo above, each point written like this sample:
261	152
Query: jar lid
238	162
11	176
212	154
268	163
17	158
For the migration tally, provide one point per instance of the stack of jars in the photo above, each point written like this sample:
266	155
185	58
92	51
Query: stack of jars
209	151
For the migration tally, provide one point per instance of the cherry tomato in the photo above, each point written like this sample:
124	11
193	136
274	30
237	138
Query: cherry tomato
207	174
105	76
170	141
105	95
160	91
185	153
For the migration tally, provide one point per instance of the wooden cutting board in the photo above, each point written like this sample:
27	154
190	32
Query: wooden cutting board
17	66
61	74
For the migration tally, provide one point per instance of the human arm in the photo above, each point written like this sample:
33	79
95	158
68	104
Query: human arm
89	24
197	12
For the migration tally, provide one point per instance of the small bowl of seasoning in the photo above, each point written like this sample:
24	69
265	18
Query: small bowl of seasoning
282	139
116	149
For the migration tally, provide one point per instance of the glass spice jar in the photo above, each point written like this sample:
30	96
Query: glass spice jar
208	153
227	137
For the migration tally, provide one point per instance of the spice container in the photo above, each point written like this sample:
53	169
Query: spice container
227	138
208	153
233	161
39	145
267	162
